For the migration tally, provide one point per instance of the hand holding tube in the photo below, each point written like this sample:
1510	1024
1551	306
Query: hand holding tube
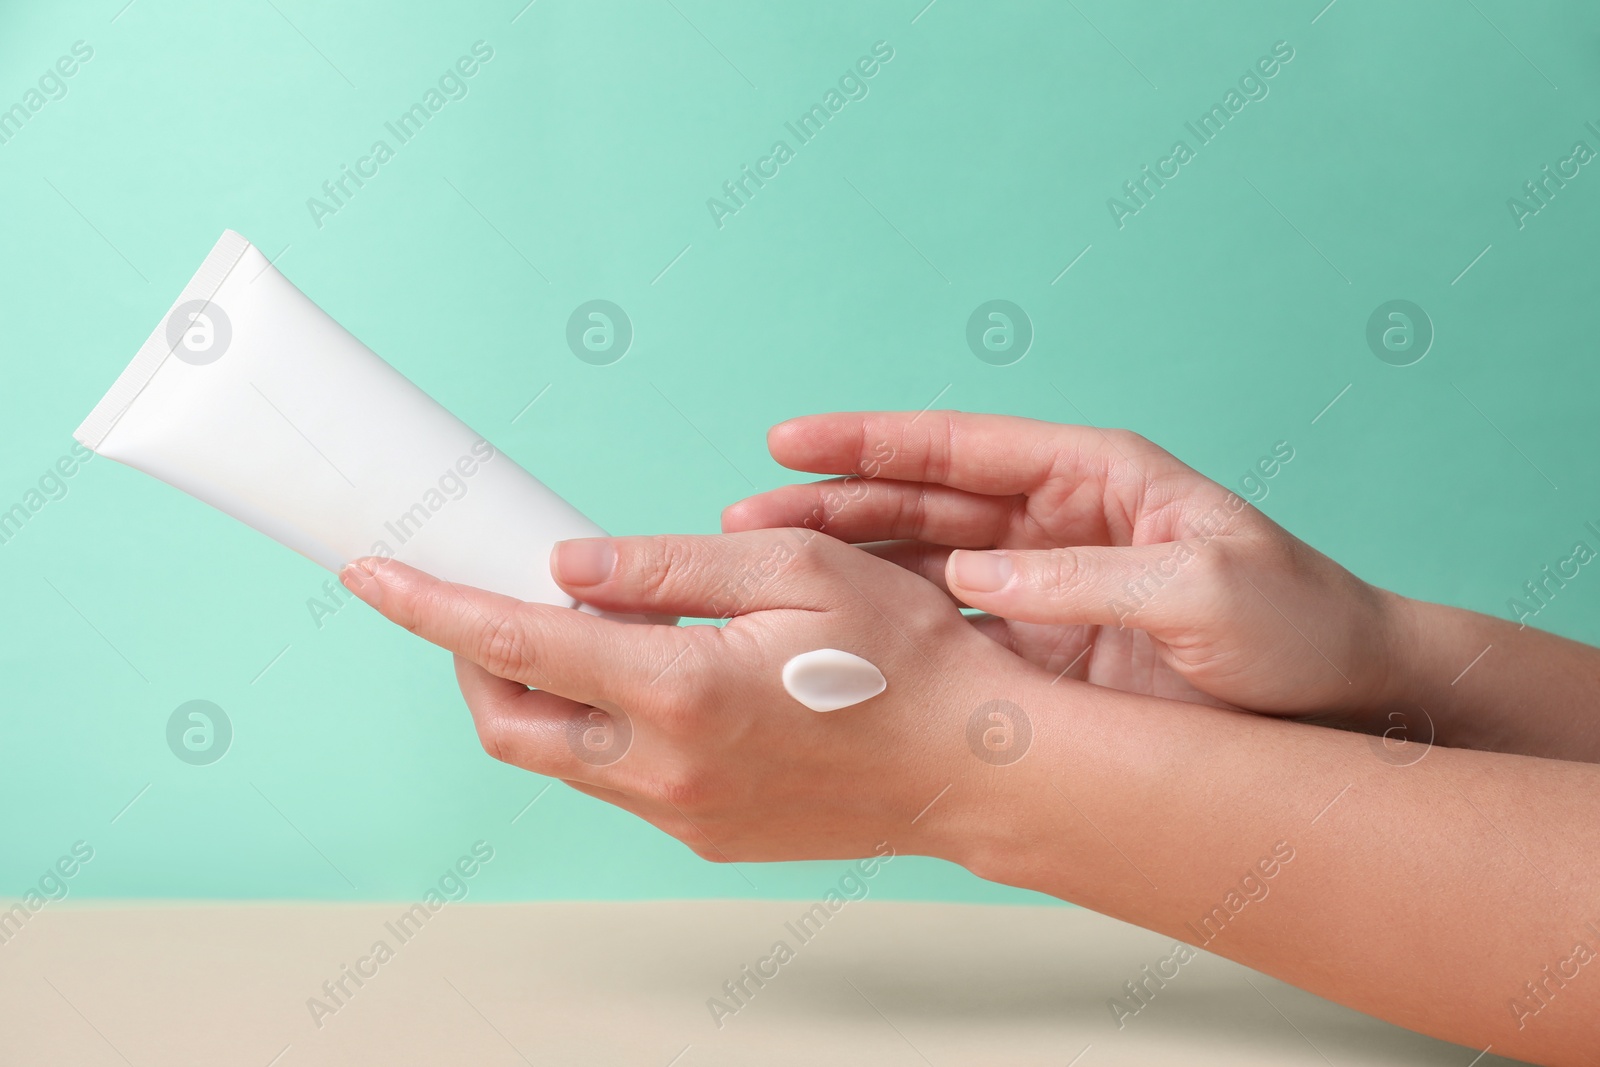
718	754
1153	811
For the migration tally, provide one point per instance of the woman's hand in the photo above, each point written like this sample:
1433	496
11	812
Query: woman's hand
1179	818
690	727
1103	557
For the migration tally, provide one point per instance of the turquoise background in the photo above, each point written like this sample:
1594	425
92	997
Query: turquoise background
1222	318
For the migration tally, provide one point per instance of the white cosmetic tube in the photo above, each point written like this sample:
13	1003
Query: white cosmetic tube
251	398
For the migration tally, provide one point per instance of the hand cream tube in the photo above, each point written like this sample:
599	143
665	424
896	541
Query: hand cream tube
251	398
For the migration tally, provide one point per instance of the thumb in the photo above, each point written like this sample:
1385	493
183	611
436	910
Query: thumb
1144	586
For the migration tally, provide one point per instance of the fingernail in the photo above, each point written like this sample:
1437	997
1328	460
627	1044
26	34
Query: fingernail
361	578
982	572
585	561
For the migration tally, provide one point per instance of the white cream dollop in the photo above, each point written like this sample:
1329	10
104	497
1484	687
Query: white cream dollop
827	679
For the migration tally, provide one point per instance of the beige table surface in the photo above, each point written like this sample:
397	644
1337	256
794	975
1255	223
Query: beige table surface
882	983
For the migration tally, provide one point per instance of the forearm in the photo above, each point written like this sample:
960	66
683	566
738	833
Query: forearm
1473	681
1425	894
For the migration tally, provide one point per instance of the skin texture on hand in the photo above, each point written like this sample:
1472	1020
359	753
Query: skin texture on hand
1457	894
695	732
1433	895
1107	558
1104	557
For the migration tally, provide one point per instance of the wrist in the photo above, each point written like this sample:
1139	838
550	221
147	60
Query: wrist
998	748
1410	637
1023	751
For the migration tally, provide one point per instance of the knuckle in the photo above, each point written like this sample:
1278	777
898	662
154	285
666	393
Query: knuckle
1129	440
685	789
1062	574
677	704
495	735
413	613
1212	568
943	446
911	513
502	651
806	552
656	566
1138	448
814	556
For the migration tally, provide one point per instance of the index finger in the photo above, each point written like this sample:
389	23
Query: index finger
560	650
997	455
